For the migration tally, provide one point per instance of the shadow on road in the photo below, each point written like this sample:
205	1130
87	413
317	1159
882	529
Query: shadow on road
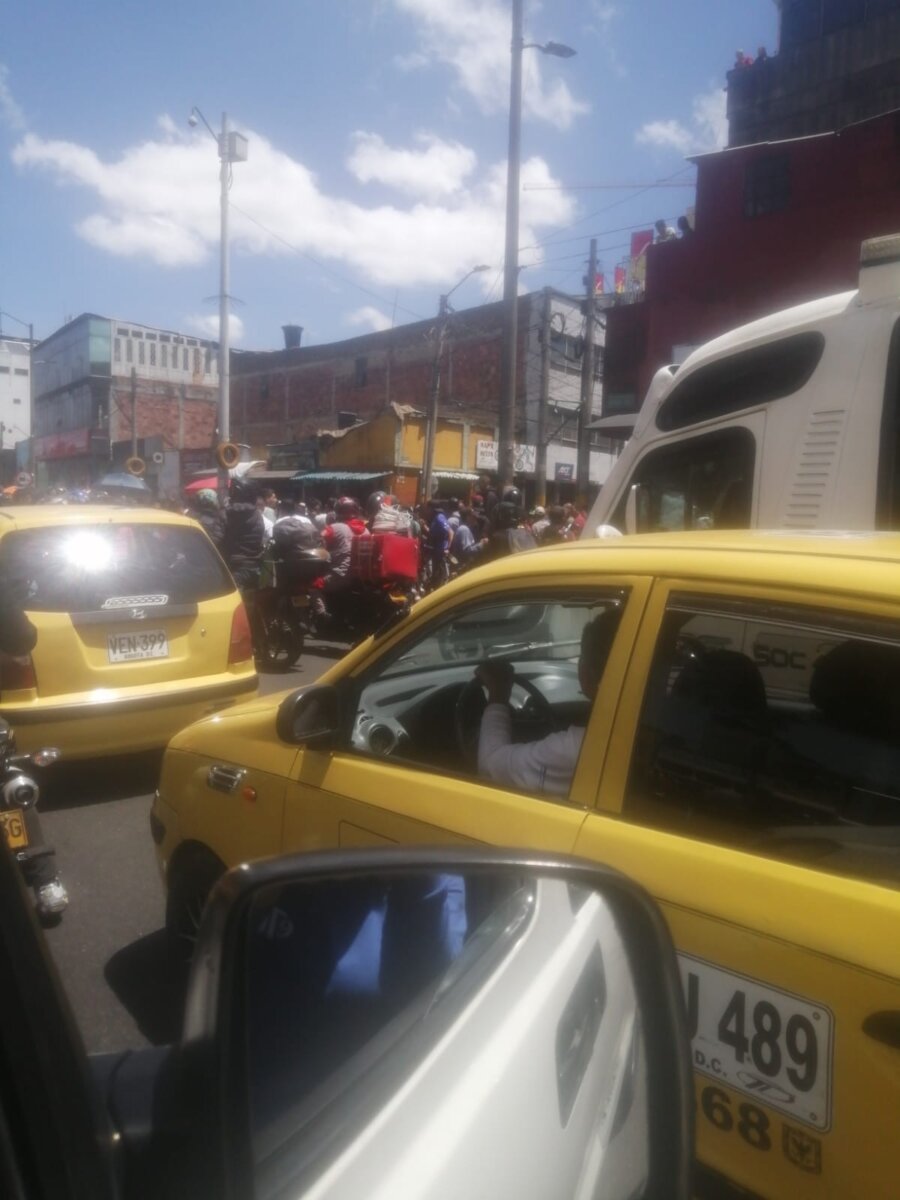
72	784
149	987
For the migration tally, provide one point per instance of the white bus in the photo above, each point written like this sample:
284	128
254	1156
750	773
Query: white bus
792	422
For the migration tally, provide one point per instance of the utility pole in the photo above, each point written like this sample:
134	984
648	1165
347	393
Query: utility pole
133	413
507	412
540	465
431	419
583	469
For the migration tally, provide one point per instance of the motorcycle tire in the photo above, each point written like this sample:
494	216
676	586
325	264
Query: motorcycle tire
282	643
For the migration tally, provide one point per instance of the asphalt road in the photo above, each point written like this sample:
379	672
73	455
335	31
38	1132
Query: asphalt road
109	946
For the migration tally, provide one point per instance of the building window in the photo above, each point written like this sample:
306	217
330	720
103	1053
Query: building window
361	372
164	356
767	185
184	359
196	362
4	370
16	400
129	351
20	370
208	359
153	354
141	353
565	352
117	350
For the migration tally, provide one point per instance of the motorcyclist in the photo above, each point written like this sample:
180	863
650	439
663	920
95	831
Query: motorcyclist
244	536
338	538
18	637
509	535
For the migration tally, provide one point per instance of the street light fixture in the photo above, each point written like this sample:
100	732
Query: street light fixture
232	148
431	419
507	413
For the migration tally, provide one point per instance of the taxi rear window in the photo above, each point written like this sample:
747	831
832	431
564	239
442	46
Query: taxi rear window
88	568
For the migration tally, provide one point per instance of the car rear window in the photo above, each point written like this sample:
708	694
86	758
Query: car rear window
86	568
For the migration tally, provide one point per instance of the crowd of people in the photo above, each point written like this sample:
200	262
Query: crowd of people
453	536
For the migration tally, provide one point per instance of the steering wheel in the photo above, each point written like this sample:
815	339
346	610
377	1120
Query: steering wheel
469	709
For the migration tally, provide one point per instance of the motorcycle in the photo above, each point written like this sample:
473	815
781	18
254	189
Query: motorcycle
381	586
19	794
282	602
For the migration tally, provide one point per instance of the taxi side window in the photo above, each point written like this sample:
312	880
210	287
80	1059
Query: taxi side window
774	729
422	704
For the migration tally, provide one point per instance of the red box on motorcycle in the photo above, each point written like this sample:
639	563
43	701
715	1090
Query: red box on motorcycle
376	557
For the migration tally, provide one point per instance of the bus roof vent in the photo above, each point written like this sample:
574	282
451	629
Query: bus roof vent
879	268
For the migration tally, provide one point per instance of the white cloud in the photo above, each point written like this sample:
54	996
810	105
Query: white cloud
207	325
160	201
708	129
373	318
472	37
11	114
438	169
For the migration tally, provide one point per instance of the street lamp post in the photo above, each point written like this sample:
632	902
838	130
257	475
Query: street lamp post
232	148
507	413
431	420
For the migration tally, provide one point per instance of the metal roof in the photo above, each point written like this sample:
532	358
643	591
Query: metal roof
338	476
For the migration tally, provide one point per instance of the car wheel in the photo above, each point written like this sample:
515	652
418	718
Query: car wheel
188	891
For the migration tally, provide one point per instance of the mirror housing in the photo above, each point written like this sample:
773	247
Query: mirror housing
544	1029
311	717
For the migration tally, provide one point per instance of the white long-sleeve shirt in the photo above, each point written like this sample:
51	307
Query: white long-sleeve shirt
543	766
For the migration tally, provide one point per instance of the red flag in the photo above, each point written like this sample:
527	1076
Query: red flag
640	242
599	284
620	279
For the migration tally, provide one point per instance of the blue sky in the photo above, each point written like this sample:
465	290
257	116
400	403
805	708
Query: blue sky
377	144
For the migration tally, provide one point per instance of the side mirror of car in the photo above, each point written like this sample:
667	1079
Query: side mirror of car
457	1022
310	717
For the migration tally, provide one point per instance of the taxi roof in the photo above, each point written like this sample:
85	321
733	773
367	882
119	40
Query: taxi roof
29	516
819	561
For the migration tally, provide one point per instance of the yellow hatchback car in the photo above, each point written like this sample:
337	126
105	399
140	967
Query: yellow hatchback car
140	628
740	758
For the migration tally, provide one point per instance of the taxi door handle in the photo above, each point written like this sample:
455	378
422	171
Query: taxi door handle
884	1027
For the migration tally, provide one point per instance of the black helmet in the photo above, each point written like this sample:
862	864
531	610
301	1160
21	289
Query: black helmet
376	501
242	491
346	507
512	495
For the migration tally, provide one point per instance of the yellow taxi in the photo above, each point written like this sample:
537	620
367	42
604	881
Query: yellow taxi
140	629
740	757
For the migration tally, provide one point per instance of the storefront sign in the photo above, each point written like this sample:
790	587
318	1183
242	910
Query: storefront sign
564	472
524	457
63	445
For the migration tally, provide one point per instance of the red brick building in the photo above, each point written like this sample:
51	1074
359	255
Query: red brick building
289	395
812	169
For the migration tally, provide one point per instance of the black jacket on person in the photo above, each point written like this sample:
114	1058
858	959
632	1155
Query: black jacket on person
17	634
245	535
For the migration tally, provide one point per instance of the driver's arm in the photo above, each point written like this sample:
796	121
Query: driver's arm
546	765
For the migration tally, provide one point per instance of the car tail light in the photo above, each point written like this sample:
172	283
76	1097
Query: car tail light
16	674
240	647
